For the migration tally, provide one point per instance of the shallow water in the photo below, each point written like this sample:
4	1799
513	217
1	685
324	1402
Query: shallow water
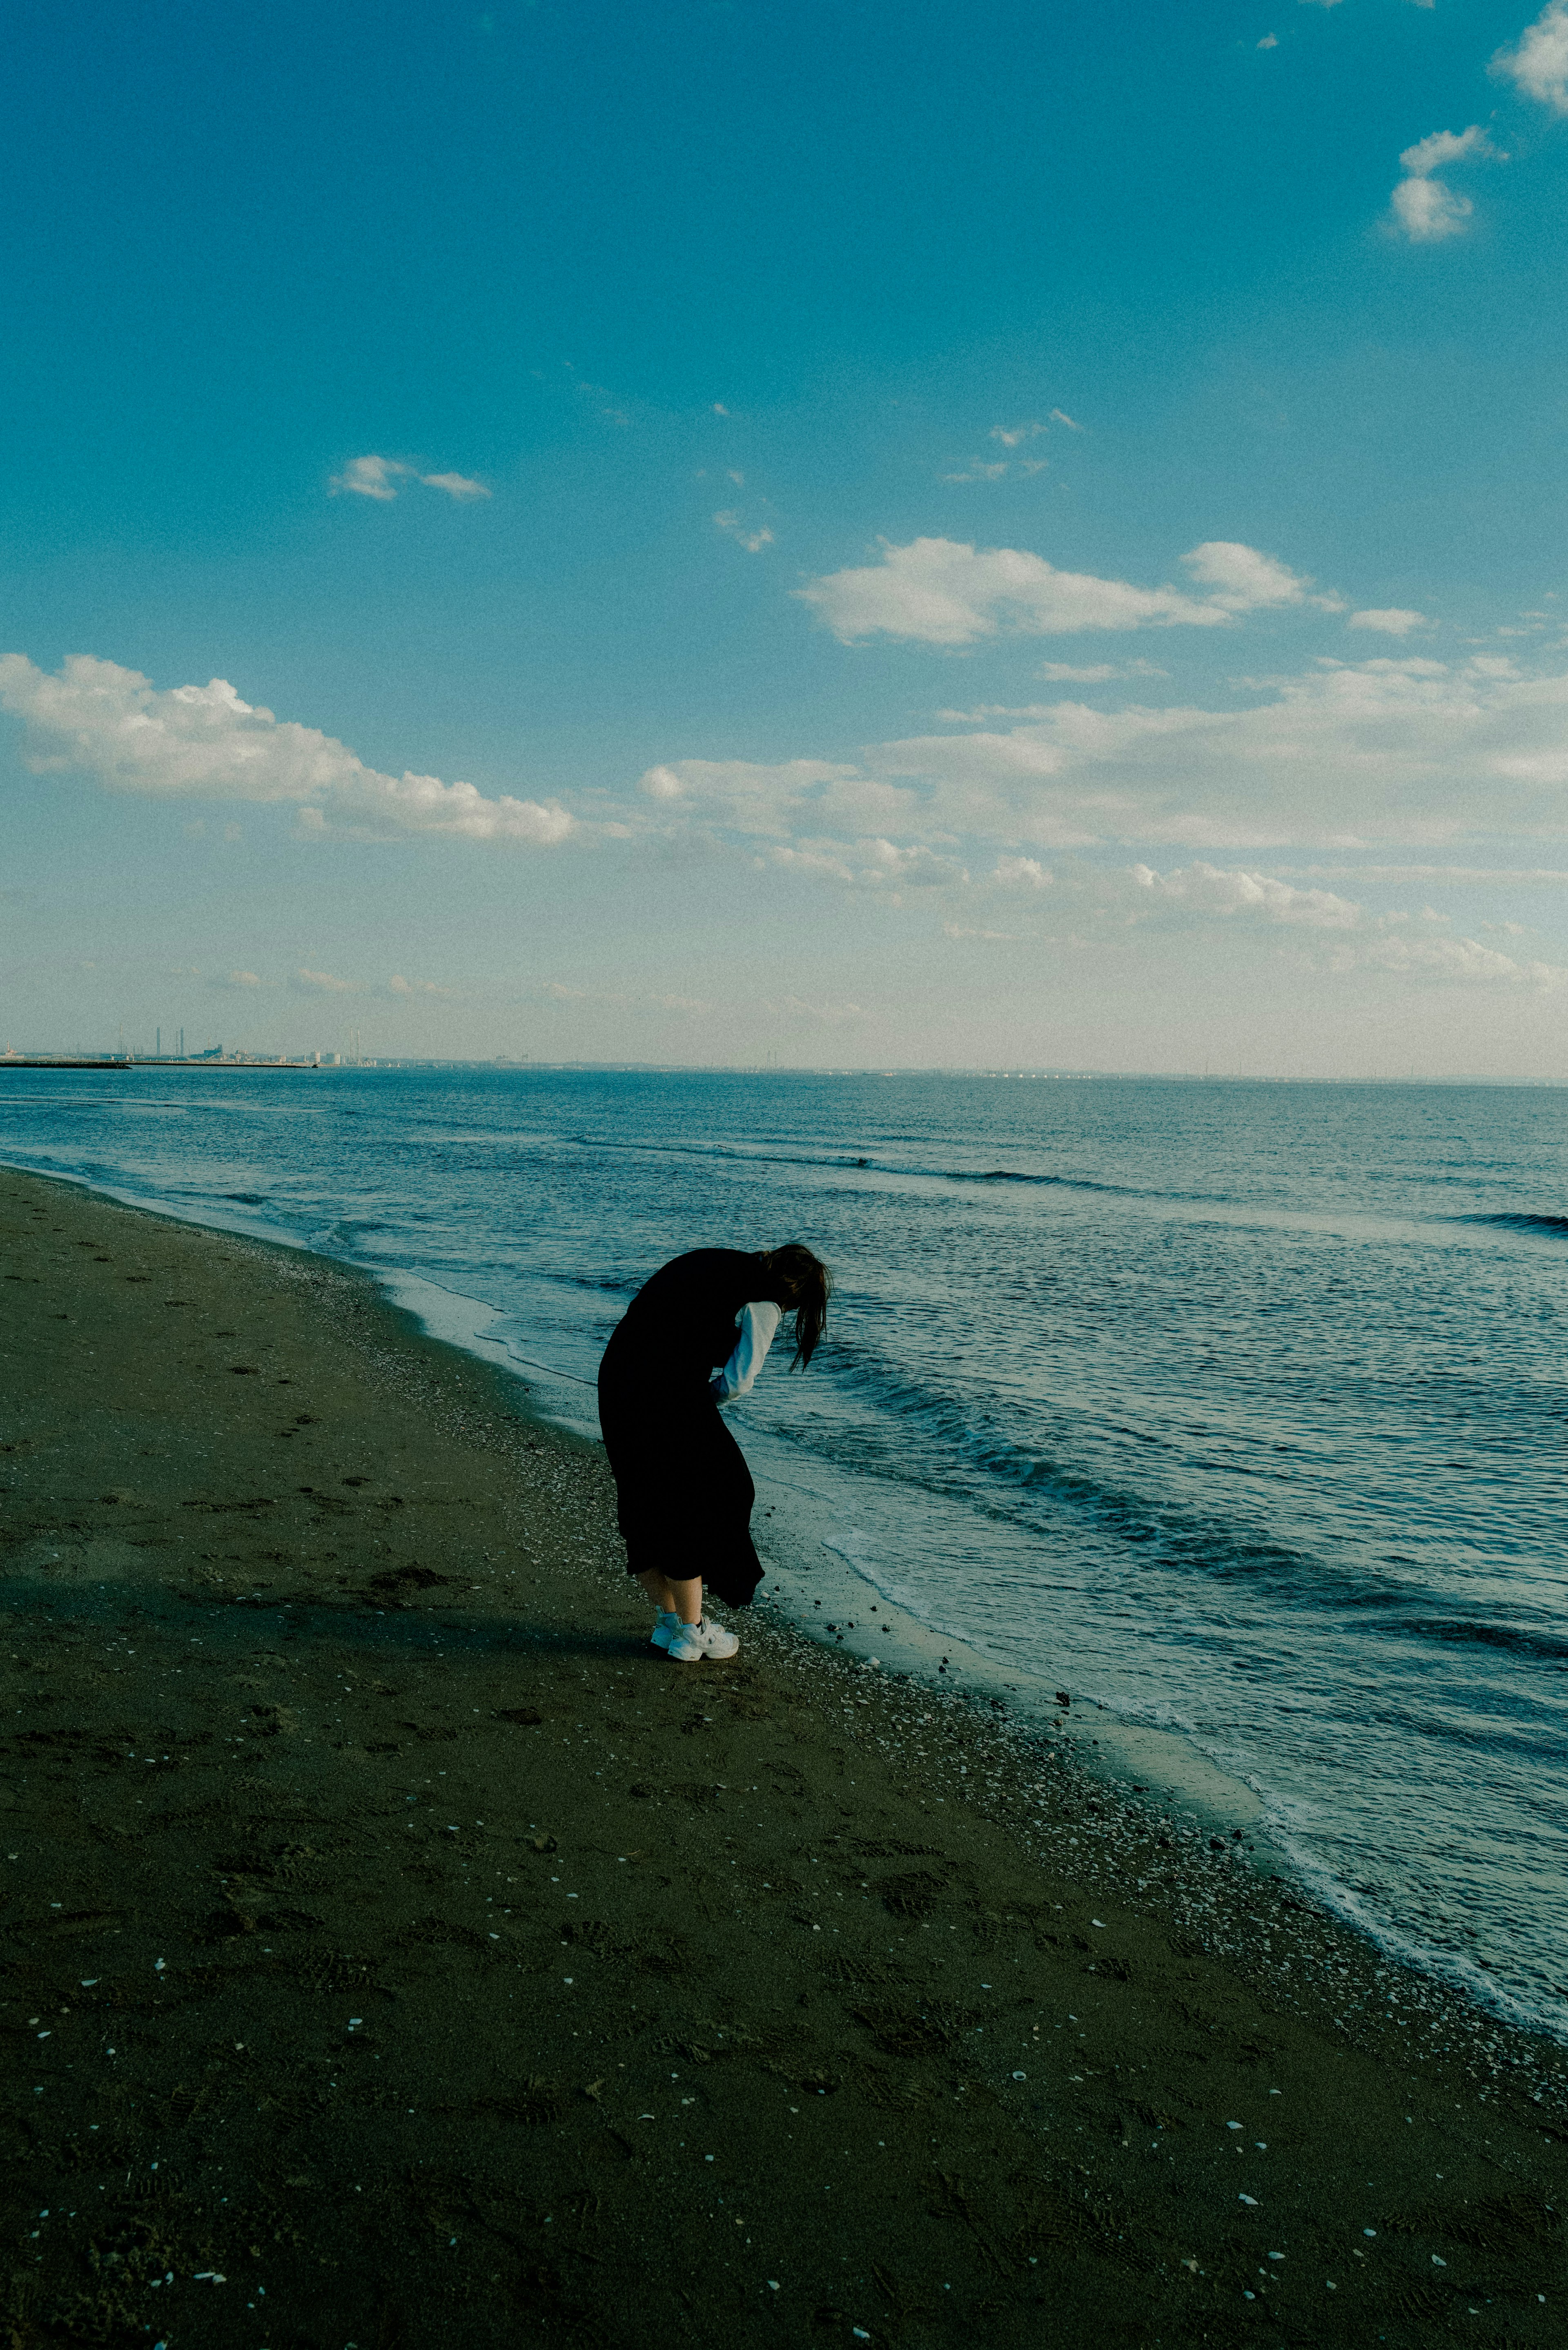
1239	1408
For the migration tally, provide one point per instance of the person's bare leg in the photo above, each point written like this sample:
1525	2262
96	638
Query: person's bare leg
686	1598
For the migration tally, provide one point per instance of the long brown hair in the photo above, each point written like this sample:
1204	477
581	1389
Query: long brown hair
802	1284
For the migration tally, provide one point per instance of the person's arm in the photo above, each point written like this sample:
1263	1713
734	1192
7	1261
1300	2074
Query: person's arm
759	1326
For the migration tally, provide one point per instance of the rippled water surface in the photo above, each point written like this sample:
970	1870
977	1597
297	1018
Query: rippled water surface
1241	1407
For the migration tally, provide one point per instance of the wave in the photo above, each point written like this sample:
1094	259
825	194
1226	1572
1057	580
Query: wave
1523	1221
962	1453
829	1161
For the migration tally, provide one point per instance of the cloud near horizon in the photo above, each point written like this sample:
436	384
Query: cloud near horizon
1397	749
202	741
941	591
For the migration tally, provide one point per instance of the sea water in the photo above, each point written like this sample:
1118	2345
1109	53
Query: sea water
1238	1409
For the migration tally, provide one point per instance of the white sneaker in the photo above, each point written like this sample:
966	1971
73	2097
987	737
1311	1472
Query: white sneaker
693	1641
666	1625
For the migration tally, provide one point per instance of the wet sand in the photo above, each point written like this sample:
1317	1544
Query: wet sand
397	1950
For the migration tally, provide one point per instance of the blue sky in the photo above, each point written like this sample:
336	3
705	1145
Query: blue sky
927	533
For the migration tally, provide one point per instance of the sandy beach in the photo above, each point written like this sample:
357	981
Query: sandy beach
397	1950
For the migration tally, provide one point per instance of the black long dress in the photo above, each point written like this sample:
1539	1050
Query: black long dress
683	1490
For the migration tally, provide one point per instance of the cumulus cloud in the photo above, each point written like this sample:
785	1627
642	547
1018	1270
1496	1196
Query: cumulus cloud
379	477
1427	209
1392	749
938	591
1442	147
1243	581
870	864
1430	210
1393	621
1538	63
1398	750
1462	961
321	982
202	741
1211	890
1341	935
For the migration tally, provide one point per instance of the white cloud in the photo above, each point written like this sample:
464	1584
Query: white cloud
378	478
1353	939
1443	147
1428	210
1494	877
321	982
1269	41
1389	750
1538	64
1245	581
241	979
1021	873
938	591
747	797
368	477
202	741
1457	959
870	864
754	541
456	485
1060	416
1391	622
1209	889
399	985
980	471
1013	436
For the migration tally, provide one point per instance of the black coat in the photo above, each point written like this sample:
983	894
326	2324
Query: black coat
683	1491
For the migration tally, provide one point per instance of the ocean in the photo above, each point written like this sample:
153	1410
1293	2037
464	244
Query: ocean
1237	1410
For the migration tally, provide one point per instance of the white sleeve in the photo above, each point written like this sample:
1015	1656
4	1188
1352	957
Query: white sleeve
759	1326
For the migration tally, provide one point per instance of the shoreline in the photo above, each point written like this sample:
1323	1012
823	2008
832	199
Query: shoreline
963	1845
1208	1797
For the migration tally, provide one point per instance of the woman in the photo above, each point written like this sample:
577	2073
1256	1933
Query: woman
683	1490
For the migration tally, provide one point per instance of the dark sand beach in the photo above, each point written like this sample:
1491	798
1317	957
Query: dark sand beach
397	1951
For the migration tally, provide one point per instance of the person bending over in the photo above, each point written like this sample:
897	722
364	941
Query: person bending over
692	1338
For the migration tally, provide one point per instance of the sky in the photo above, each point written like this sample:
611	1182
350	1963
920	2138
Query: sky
737	532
